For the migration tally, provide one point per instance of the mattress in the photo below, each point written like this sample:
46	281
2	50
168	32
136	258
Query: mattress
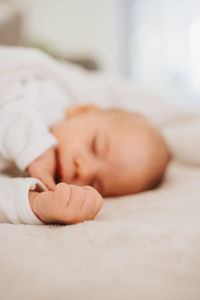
144	247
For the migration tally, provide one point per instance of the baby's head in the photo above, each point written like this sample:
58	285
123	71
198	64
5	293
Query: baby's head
115	151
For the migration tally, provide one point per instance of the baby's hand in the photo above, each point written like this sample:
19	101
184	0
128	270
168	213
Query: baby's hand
44	167
68	204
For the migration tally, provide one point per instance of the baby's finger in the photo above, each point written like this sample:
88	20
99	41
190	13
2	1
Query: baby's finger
49	182
99	199
89	210
92	204
77	197
80	206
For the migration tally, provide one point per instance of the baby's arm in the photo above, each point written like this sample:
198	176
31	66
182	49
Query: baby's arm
44	168
14	204
68	204
23	135
27	201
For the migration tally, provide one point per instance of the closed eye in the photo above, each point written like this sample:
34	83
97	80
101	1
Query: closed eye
100	145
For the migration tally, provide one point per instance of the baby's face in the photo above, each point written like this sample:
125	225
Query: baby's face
91	151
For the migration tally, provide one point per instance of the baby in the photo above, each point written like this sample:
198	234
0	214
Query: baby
116	152
74	155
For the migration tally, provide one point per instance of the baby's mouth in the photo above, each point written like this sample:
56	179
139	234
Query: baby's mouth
57	176
60	175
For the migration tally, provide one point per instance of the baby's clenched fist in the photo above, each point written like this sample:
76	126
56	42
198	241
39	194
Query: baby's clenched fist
67	204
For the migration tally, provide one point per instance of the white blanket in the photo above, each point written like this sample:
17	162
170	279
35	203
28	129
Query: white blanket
144	247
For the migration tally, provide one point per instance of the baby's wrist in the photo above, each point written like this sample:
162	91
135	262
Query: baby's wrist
32	196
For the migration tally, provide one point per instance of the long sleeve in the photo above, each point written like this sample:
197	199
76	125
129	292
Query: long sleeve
24	136
14	202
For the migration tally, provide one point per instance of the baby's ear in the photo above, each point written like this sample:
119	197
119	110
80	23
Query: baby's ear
76	110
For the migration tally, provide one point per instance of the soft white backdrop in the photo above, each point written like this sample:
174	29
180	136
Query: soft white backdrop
156	43
74	28
164	45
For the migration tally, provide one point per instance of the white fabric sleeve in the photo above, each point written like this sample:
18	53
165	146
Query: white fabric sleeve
14	202
23	134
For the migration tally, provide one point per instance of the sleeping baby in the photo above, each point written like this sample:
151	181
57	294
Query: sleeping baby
69	155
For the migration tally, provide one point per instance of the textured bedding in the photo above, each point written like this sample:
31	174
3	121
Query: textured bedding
141	247
144	246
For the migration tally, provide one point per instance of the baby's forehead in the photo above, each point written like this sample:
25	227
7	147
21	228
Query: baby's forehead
125	128
124	120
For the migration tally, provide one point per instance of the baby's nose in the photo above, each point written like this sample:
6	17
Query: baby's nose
83	171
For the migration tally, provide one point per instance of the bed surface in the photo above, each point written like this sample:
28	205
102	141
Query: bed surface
145	246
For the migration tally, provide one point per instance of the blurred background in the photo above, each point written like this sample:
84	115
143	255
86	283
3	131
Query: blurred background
154	43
